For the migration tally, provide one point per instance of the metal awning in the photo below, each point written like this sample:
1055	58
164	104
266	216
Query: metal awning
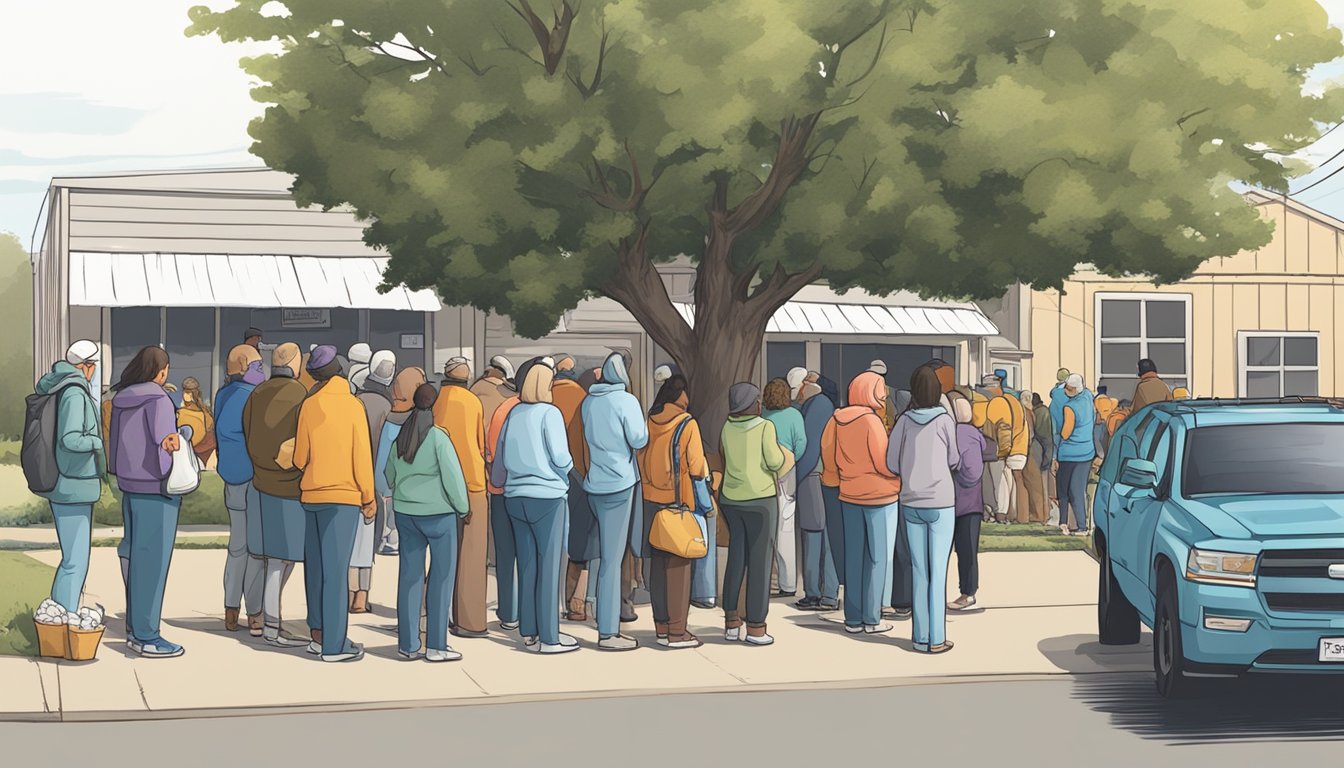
873	319
220	280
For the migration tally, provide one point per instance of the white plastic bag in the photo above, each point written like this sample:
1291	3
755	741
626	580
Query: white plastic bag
185	475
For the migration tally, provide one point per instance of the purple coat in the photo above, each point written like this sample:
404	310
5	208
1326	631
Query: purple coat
142	416
974	450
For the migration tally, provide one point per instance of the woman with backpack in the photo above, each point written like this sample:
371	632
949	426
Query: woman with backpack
144	438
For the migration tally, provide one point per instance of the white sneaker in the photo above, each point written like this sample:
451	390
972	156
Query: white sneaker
569	641
314	647
760	640
530	640
733	635
352	652
412	656
448	654
275	636
876	629
662	640
557	648
617	643
854	629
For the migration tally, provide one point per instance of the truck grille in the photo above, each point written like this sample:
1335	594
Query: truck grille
1300	563
1311	602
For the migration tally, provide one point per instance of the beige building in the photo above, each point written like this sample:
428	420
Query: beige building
1261	323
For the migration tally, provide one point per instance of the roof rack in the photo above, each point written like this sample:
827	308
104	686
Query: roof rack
1333	402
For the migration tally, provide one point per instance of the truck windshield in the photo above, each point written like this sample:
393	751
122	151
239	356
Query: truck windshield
1264	459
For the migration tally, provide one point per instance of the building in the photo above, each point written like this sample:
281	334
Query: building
190	260
1261	323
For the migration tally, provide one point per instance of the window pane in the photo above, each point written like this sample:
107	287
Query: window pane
1169	357
389	328
1300	383
1166	319
1299	350
1120	318
1263	350
133	328
1262	383
1118	359
780	356
190	339
1119	387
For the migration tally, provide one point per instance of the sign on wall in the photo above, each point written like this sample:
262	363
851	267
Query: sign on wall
305	318
412	341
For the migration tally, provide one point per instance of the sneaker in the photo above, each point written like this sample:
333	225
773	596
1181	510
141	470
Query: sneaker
156	649
808	604
530	640
704	604
412	656
282	639
902	613
447	654
733	634
569	641
508	626
782	593
617	643
877	629
760	639
352	652
685	641
388	547
828	605
963	603
628	618
853	629
557	648
314	647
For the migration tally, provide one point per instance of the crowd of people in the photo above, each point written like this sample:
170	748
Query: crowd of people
573	492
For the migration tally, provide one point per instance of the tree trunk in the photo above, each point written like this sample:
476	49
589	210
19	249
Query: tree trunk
720	359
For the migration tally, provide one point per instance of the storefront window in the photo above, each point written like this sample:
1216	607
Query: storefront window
189	337
842	362
781	356
401	332
133	328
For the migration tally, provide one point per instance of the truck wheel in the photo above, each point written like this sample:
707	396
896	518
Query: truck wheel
1168	652
1117	620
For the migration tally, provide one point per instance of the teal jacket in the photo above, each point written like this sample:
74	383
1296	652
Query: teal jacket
79	444
433	484
789	429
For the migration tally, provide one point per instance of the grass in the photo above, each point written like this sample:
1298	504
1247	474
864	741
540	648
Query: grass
19	507
182	542
9	451
996	537
26	584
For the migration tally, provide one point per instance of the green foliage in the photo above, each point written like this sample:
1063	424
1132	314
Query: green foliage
16	317
27	583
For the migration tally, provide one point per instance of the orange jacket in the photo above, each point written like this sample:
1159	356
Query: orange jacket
568	397
492	438
855	443
458	411
655	458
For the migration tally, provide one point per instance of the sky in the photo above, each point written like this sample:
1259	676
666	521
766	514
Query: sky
127	90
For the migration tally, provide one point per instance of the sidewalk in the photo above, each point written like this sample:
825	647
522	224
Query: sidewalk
1039	619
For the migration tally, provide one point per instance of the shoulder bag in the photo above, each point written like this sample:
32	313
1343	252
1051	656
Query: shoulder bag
676	529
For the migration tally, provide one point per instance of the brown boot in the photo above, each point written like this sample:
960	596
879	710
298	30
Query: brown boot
231	619
254	624
359	603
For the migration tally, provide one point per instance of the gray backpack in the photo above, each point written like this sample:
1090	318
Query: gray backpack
38	454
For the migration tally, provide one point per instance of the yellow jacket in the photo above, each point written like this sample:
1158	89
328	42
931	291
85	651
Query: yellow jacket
332	447
460	413
1009	423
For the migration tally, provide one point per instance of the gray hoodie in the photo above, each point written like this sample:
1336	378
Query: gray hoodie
923	451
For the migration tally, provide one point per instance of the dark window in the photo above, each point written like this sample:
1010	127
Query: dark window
133	328
780	356
1264	459
189	337
1117	357
1166	319
1120	319
1264	350
1169	358
842	362
1299	350
398	332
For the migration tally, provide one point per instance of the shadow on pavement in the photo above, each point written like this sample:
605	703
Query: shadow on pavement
1082	654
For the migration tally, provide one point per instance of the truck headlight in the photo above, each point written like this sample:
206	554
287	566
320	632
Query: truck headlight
1230	569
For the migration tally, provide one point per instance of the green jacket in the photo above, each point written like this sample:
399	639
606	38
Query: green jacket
789	429
751	457
79	444
433	484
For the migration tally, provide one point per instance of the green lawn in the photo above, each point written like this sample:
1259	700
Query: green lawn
26	584
182	542
19	507
995	537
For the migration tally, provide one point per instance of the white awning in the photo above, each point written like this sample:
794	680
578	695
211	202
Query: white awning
218	280
956	320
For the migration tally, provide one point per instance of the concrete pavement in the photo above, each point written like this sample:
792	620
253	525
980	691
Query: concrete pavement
1039	618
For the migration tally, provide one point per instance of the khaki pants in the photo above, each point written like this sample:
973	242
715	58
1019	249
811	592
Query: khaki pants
469	591
1038	508
1018	501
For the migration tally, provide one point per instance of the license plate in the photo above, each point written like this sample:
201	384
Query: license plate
1332	649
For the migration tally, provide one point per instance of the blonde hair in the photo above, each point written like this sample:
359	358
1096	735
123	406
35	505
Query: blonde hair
537	387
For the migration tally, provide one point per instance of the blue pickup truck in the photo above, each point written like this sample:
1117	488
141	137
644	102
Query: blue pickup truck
1220	525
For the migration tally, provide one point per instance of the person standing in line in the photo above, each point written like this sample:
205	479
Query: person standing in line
1151	388
792	436
1074	451
333	450
564	368
1038	511
974	452
80	463
244	568
1005	424
664	485
505	551
355	365
581	543
923	451
821	587
252	338
855	443
532	466
830	485
614	430
749	501
376	396
195	413
270	424
459	413
429	494
888	413
143	439
1043	437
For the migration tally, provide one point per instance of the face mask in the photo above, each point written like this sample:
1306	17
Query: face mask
254	374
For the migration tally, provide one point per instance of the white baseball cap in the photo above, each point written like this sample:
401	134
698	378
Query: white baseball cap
1075	381
879	367
82	352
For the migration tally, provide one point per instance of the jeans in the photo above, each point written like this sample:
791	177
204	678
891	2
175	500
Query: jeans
705	571
506	561
895	562
612	511
538	528
786	540
437	535
866	562
1071	486
73	522
151	527
327	545
966	541
835	529
819	577
243	574
751	544
929	532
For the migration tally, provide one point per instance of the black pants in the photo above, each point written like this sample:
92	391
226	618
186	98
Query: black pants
751	550
902	573
966	542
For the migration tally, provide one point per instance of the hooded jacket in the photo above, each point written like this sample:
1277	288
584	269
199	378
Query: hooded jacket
492	393
235	465
613	429
1075	438
377	400
855	443
333	448
1008	423
974	451
817	411
79	442
923	452
532	459
459	413
568	395
270	418
142	416
751	459
433	483
1151	389
655	459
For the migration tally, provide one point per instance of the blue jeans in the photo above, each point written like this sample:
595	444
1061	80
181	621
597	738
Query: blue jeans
893	528
835	529
1071	487
612	511
866	556
929	532
819	577
705	571
151	527
506	561
538	525
327	546
73	522
437	535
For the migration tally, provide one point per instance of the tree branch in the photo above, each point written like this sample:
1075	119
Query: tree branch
590	89
1180	123
608	198
791	160
639	288
552	41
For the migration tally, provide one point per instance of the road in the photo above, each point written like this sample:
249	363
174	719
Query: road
1097	720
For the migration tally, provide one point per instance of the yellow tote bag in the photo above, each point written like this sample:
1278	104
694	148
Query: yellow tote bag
675	529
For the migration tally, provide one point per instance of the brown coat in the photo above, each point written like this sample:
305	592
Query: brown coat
271	418
1151	390
492	392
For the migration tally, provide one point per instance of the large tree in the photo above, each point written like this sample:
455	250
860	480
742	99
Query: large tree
520	156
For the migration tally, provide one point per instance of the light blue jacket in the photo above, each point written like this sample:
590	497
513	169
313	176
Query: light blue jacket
789	430
386	440
234	464
614	428
79	445
533	460
1080	445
